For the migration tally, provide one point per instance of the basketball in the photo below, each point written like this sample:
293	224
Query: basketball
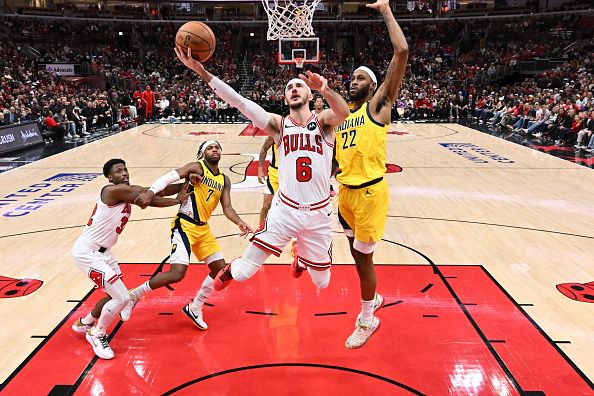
199	38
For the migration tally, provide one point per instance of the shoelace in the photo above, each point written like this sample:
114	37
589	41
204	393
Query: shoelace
104	341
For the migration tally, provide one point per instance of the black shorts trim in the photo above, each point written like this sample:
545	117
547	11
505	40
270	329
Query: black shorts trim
366	184
343	222
183	235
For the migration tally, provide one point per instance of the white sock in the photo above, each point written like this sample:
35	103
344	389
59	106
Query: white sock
88	320
205	290
366	311
140	291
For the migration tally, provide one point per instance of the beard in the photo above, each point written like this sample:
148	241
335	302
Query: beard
360	94
298	105
211	160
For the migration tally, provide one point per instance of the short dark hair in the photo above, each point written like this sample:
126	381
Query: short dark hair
109	164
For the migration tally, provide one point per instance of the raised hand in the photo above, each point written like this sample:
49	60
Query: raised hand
315	81
379	4
186	59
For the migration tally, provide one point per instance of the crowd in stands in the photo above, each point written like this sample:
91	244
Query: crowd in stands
133	78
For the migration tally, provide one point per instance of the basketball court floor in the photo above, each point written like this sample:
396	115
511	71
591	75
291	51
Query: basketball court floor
486	267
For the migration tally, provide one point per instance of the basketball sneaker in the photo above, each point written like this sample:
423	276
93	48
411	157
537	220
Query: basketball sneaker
197	319
362	333
127	311
80	327
378	301
223	278
100	345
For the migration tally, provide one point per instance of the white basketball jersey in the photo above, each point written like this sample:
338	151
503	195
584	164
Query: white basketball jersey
305	161
107	222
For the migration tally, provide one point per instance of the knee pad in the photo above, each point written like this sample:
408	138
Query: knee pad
243	269
320	278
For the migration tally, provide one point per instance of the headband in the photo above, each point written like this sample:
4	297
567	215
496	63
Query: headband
204	145
295	81
369	72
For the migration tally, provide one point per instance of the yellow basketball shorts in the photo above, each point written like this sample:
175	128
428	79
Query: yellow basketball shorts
364	211
188	237
271	186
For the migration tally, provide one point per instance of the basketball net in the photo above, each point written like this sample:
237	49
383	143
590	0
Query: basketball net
289	18
299	61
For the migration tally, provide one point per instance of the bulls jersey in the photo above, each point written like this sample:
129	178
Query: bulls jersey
304	161
360	148
205	197
107	222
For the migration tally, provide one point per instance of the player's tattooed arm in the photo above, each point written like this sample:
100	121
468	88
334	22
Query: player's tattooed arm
382	101
230	213
263	151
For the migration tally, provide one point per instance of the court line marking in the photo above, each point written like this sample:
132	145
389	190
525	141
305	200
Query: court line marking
42	343
389	216
539	329
347	369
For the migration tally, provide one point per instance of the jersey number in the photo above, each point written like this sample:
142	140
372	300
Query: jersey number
121	227
118	229
210	192
92	214
303	169
345	136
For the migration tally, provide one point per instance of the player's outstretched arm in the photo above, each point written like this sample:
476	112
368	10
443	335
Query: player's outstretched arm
230	213
339	109
113	195
261	119
381	104
144	199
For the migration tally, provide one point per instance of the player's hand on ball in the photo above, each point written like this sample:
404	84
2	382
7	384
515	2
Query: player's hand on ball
186	59
315	81
195	179
245	229
184	194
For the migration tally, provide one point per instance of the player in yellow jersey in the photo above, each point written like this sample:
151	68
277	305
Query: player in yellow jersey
189	230
361	155
271	181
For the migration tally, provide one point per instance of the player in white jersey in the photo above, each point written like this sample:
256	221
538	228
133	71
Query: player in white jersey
92	250
301	208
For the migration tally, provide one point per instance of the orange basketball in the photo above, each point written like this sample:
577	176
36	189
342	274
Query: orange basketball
199	38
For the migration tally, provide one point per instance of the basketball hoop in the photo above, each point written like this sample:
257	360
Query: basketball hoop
299	62
289	18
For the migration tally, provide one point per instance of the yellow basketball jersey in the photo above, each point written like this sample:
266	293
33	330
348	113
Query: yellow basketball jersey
360	148
207	195
273	163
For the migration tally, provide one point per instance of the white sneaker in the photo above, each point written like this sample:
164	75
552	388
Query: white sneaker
362	333
80	327
127	311
537	135
196	318
378	301
100	345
